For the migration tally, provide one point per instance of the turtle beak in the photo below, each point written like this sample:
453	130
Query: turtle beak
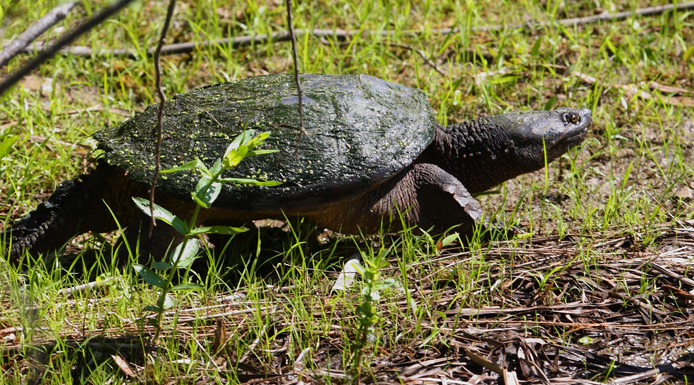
587	115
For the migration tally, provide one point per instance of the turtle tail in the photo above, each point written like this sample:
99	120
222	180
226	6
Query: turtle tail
76	206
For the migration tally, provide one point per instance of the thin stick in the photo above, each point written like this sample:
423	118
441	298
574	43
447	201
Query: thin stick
160	117
649	11
423	56
292	37
64	40
70	291
35	30
241	41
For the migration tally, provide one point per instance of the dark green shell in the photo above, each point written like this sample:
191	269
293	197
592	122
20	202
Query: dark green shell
361	131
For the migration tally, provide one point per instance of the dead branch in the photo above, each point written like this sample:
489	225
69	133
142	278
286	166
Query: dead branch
63	41
35	30
71	291
422	55
574	21
639	91
649	11
187	47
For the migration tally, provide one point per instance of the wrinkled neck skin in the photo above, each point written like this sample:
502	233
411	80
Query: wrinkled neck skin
479	153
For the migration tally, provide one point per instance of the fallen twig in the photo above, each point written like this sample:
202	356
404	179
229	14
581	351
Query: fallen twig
636	377
253	345
639	91
41	139
422	55
648	11
242	41
671	274
70	291
509	377
63	41
35	30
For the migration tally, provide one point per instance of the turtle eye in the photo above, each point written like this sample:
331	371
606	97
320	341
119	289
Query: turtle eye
571	118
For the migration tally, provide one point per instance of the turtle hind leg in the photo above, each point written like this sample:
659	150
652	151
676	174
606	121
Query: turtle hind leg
35	230
76	206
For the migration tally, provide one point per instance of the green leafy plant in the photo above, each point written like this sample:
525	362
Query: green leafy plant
205	193
367	313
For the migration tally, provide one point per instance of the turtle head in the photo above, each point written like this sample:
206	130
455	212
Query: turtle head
531	133
487	151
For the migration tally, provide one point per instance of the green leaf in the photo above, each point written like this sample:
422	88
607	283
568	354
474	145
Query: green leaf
153	308
585	340
190	249
149	276
262	152
688	54
241	139
449	239
504	79
386	284
6	144
257	140
241	147
374	295
162	214
551	102
161	265
216	169
206	192
193	164
456	83
250	181
228	230
188	287
234	157
159	212
535	51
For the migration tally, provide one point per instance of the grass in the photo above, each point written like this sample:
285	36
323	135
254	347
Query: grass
597	224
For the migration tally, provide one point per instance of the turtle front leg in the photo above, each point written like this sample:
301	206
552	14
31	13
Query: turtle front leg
424	194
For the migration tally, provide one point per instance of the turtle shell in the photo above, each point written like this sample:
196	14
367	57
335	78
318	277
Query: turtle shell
361	130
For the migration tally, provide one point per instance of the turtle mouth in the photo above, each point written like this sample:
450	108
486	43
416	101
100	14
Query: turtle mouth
573	137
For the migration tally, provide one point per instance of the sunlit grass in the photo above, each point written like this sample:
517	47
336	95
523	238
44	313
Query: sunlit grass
623	180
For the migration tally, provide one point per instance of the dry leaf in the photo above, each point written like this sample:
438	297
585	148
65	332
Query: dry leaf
668	89
123	365
684	193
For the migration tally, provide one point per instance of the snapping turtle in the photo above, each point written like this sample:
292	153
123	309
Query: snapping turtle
373	149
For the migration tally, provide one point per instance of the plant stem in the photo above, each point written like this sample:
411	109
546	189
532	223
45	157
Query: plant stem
169	277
